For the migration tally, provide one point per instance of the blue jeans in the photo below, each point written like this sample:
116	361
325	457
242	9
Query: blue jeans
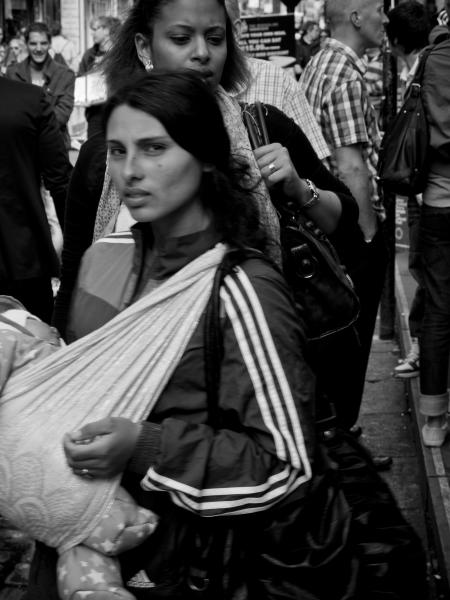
415	268
435	338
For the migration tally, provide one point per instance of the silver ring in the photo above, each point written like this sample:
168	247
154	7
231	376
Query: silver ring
272	167
85	473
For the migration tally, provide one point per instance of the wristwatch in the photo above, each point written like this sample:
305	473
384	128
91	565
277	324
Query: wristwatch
314	195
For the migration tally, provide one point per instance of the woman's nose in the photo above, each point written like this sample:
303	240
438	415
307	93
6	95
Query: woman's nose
130	169
201	50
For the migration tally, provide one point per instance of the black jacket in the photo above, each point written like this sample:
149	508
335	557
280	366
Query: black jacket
59	85
31	148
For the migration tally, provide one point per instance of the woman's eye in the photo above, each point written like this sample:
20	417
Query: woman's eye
153	148
180	39
116	152
216	40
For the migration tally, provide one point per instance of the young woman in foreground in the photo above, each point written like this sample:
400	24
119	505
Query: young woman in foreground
171	163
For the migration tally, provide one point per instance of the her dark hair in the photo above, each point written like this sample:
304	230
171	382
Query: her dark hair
122	62
408	25
188	110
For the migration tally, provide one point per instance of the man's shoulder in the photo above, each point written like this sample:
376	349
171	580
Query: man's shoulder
12	87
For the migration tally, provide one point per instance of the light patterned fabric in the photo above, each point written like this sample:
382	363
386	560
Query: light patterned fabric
271	85
109	206
334	84
117	370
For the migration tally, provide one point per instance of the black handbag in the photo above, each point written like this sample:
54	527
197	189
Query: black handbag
322	289
403	158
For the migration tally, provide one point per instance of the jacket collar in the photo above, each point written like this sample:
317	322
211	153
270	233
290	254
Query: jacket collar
23	69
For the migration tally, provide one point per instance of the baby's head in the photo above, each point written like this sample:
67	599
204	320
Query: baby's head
14	311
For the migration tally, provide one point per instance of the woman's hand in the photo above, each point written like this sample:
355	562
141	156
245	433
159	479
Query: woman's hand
101	449
276	166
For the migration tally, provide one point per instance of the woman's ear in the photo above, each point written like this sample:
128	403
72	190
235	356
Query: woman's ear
143	49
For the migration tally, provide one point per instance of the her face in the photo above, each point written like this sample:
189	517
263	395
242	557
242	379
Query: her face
38	46
157	179
189	34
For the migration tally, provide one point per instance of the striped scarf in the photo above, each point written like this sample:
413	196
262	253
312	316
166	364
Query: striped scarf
117	370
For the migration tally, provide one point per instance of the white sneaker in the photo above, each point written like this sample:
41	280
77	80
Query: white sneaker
409	367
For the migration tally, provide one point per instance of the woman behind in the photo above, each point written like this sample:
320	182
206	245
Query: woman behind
171	163
198	35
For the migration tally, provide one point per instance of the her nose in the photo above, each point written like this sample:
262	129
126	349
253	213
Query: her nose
131	170
201	50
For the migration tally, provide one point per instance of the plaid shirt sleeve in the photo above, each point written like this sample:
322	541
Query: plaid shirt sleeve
296	106
345	114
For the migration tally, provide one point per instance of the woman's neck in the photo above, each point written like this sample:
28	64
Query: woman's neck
164	230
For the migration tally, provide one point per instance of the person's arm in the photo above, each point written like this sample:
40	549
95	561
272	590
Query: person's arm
53	159
81	208
263	450
354	173
328	212
65	101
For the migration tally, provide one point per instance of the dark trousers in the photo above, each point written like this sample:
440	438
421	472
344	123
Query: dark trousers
35	294
417	307
435	338
340	360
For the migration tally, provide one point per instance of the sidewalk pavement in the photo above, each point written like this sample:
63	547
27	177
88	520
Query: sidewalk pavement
391	425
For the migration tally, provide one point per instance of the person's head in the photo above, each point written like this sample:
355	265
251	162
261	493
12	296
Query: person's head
38	40
311	30
177	34
104	29
56	28
358	23
15	47
408	27
170	156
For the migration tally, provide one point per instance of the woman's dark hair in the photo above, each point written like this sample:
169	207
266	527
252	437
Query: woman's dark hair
188	110
408	26
122	62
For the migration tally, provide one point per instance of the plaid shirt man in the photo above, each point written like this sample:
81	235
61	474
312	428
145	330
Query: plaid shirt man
334	85
272	85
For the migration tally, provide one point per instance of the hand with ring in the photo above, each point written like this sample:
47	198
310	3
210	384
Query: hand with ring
101	449
275	165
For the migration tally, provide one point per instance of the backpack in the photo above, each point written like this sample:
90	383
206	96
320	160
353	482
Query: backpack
403	158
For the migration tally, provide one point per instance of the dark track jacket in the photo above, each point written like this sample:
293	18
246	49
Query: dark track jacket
266	386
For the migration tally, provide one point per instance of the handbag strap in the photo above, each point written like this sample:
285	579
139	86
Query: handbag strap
418	75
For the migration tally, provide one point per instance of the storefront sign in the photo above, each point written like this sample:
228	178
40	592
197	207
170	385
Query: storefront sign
269	35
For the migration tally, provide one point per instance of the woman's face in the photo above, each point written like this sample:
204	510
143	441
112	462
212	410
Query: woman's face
157	179
189	34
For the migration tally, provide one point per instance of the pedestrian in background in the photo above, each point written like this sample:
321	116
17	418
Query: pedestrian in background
31	148
103	31
272	85
308	44
434	243
57	80
407	31
64	47
334	84
17	51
